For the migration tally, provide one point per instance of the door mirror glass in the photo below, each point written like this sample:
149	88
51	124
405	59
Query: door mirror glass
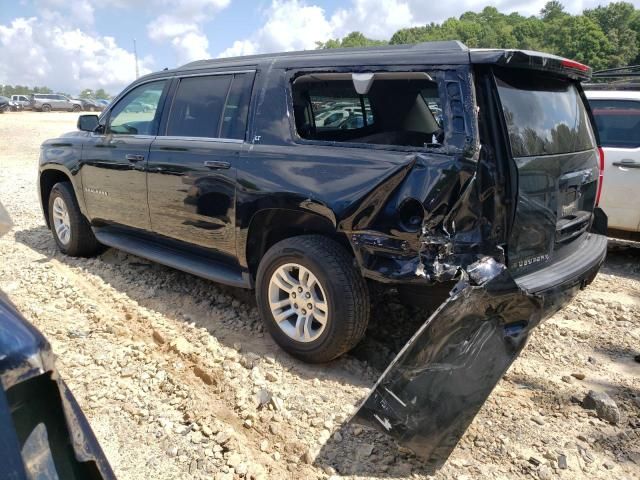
87	123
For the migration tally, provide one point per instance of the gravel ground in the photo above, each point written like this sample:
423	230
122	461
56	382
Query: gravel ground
179	381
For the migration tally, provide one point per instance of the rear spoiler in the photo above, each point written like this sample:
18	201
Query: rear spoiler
544	62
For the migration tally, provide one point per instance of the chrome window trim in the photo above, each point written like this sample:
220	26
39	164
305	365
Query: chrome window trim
201	139
209	74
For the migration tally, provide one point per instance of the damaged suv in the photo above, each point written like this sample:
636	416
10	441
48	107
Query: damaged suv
309	175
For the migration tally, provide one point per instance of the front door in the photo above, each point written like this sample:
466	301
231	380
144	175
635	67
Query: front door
619	127
114	162
192	163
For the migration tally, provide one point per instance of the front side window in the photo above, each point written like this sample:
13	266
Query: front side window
136	112
618	122
544	115
399	109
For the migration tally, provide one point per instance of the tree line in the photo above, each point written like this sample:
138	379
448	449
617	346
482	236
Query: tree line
8	90
602	37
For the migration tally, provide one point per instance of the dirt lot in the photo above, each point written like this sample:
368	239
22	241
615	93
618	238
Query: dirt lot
171	369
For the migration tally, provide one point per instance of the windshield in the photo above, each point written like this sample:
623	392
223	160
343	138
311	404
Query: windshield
544	116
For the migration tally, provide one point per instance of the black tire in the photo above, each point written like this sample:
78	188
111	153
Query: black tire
76	108
82	241
46	107
343	285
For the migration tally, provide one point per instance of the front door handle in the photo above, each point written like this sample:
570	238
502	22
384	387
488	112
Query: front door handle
627	163
134	158
216	164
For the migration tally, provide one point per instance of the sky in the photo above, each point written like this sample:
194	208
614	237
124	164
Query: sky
69	45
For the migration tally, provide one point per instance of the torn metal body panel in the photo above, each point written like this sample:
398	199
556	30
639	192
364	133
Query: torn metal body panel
433	389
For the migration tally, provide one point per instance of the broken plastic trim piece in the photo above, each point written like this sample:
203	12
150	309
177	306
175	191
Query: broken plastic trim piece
436	385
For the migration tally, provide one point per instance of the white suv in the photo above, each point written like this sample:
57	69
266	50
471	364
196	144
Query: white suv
617	115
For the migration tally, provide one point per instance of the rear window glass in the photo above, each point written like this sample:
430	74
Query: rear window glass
544	116
618	122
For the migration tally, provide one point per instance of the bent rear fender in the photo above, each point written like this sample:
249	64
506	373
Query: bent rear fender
433	389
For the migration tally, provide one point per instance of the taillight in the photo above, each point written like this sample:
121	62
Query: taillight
573	64
600	175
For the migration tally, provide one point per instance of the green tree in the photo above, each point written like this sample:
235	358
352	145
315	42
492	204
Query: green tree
553	10
615	20
354	39
86	93
100	94
581	39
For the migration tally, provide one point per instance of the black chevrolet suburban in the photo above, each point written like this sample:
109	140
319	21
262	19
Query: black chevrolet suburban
310	176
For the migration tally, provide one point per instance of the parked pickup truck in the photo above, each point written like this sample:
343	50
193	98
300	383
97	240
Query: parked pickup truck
473	169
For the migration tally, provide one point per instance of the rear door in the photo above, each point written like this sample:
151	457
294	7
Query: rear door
554	151
192	163
618	123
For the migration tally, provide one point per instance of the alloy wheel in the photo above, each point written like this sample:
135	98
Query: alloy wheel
61	222
298	302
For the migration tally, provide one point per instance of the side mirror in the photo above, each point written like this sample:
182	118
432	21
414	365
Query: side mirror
87	123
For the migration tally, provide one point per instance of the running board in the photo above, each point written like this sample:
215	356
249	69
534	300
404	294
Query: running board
187	262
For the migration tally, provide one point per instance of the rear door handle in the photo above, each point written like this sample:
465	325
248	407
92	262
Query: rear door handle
627	164
134	158
216	164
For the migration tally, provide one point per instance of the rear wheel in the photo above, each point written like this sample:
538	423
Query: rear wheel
46	108
70	228
312	298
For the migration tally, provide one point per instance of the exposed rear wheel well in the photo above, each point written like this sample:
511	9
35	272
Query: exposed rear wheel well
48	179
268	227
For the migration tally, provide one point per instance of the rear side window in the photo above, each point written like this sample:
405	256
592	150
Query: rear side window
618	122
544	116
234	120
400	109
210	107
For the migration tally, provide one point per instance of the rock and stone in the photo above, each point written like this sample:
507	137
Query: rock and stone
603	404
182	346
207	377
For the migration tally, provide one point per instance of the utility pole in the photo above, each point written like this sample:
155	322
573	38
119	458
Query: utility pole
135	55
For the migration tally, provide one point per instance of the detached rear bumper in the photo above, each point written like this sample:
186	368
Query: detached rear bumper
559	282
436	385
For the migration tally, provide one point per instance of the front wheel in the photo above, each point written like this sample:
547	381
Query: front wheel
312	298
46	108
76	108
70	228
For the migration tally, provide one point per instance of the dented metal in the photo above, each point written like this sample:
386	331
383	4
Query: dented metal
432	390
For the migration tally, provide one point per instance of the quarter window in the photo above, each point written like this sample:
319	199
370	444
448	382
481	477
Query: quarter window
399	109
618	122
136	113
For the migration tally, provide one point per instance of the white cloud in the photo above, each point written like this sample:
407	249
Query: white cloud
64	58
297	25
377	19
182	28
290	25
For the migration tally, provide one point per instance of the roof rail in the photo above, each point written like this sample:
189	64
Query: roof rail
619	72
